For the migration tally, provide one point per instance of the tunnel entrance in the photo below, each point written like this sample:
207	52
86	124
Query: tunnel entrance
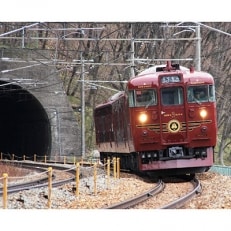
24	124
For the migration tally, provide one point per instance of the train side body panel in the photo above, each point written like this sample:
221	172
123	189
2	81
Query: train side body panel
112	126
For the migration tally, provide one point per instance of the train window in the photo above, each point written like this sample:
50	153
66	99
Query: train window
212	93
146	97
131	98
172	96
201	93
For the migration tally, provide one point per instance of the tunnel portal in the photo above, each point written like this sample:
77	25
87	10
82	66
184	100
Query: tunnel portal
24	124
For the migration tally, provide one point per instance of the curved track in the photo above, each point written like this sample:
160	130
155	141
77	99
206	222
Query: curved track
181	201
136	200
41	181
154	191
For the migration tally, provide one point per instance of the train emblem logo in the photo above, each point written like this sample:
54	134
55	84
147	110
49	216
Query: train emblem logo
173	126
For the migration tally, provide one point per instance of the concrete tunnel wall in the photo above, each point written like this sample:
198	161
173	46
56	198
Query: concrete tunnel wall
36	117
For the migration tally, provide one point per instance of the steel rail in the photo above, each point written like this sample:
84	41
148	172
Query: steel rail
136	200
35	184
179	203
38	183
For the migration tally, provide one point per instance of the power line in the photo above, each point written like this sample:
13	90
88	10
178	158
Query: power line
214	29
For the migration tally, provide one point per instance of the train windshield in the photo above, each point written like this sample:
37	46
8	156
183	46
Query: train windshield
142	98
172	96
201	93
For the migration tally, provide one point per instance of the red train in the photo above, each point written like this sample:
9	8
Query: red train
164	123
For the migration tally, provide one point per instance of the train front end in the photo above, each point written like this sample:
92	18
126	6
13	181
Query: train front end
173	131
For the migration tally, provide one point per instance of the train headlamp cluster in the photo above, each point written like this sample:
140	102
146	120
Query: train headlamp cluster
200	153
147	157
143	117
203	113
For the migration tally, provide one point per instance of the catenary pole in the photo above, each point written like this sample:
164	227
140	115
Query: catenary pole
82	108
198	49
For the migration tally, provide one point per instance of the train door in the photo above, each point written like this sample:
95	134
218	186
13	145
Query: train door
172	116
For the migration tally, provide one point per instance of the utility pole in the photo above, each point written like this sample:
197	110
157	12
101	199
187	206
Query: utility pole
198	48
132	53
82	62
132	58
82	107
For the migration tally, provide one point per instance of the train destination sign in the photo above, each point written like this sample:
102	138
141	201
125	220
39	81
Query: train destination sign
170	79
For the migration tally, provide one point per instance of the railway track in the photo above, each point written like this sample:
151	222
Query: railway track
39	180
141	198
158	188
182	200
176	204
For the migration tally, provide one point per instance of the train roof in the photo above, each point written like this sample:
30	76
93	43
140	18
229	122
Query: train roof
154	69
112	99
150	75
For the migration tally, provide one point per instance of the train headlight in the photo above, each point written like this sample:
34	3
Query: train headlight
143	118
203	113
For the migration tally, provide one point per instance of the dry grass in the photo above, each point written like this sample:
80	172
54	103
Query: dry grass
12	170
